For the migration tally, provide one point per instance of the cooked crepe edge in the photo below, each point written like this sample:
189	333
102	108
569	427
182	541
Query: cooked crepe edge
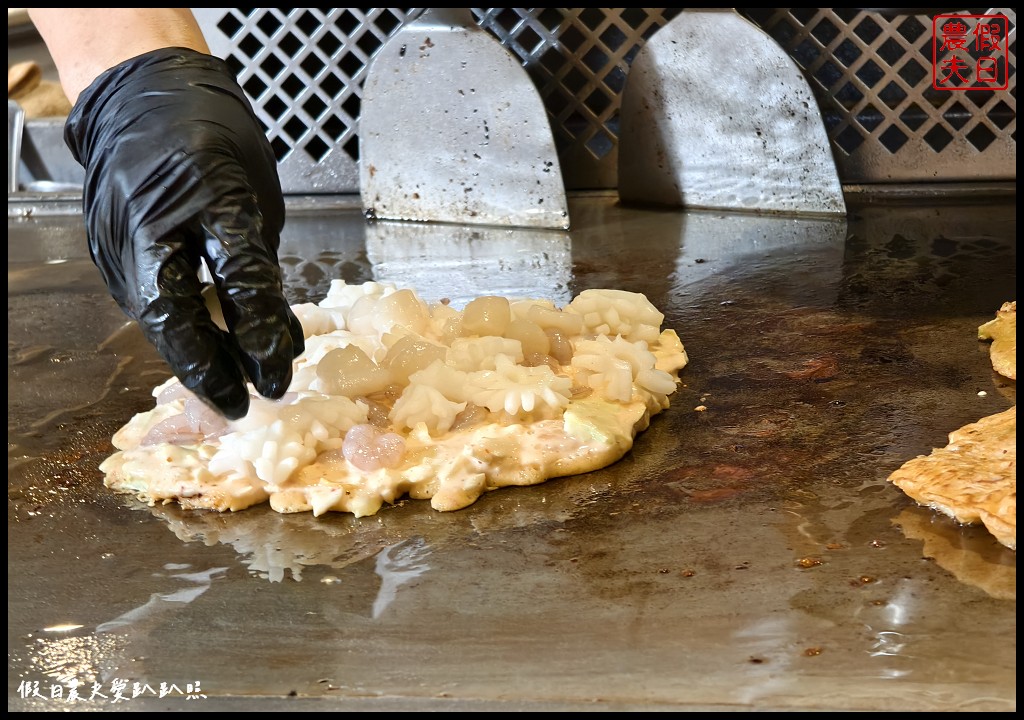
1002	332
940	480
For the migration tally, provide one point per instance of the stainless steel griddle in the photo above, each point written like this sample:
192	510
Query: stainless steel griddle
750	556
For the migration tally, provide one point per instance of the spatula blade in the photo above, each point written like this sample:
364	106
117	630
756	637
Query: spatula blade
453	130
716	115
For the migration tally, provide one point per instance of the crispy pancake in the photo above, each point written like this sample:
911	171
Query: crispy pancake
1002	331
973	479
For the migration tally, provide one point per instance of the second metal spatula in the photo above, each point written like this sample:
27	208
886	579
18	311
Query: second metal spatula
453	130
716	115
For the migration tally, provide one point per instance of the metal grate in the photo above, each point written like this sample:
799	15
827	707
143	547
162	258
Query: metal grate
578	59
303	68
872	77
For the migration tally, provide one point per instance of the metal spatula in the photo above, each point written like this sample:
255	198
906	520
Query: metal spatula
452	129
15	129
716	115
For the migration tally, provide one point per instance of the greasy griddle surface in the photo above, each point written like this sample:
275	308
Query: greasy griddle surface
750	555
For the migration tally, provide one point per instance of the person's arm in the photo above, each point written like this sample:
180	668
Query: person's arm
178	173
84	42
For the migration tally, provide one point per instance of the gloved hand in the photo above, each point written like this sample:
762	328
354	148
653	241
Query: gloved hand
178	170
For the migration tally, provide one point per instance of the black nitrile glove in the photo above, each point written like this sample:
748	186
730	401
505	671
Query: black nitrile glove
178	170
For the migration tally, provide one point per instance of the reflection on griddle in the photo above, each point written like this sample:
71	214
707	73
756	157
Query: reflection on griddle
969	553
456	261
274	546
1005	386
395	542
716	245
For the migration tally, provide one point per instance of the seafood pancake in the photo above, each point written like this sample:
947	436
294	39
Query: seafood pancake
395	397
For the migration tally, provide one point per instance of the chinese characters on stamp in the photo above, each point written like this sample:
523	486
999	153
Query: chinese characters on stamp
970	52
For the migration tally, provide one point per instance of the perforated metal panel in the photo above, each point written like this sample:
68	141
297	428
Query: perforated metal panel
871	74
578	59
303	69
